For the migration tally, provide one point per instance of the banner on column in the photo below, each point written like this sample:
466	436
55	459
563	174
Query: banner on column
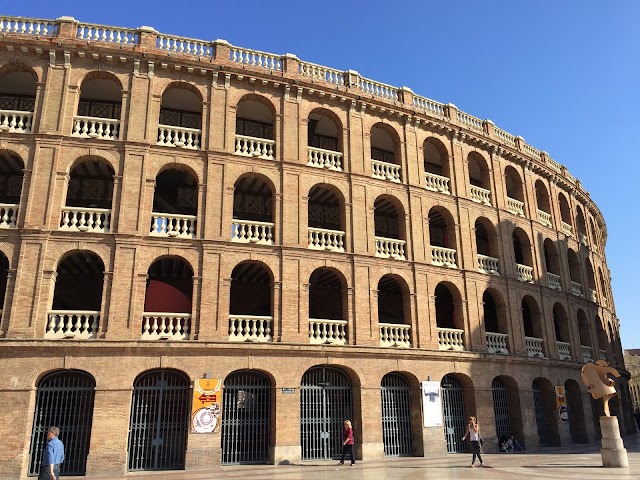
561	404
207	405
432	404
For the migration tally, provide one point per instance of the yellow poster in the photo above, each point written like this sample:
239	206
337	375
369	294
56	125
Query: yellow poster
206	411
561	404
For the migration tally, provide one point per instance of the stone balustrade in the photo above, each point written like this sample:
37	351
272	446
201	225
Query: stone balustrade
437	183
248	231
505	137
377	89
80	324
602	354
254	147
250	328
563	350
106	34
385	171
172	225
586	353
318	72
80	219
544	218
166	326
470	121
533	152
395	335
390	248
28	26
497	343
255	58
582	238
553	281
443	257
567	229
184	46
171	136
8	215
524	273
534	347
555	166
327	332
450	339
326	159
592	295
15	121
481	195
515	206
90	127
576	289
488	265
325	239
428	106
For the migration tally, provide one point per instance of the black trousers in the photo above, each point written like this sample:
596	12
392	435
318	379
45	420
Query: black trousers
345	449
44	472
475	449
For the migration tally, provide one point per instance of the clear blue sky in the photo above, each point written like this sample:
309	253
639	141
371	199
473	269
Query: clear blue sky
562	74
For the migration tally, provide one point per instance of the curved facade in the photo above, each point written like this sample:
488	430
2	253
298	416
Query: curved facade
173	208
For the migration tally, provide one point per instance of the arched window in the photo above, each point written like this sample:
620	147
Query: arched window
487	247
251	303
11	177
389	228
180	122
552	264
574	271
533	327
582	228
515	191
385	153
495	322
326	219
562	330
479	178
327	308
253	211
255	129
585	337
449	321
565	213
394	312
436	166
17	98
175	204
324	139
99	107
544	206
522	255
442	238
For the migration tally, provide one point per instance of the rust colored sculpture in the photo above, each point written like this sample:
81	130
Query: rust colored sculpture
595	377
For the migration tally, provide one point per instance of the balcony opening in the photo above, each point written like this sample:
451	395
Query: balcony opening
494	312
478	171
251	290
436	157
565	210
603	288
17	91
323	131
522	247
591	276
383	146
325	208
98	114
180	122
542	197
574	266
326	295
388	222
79	279
254	119
392	305
513	182
448	313
531	318
585	330
11	172
441	228
595	238
4	275
602	338
175	204
582	227
253	210
561	323
551	258
90	184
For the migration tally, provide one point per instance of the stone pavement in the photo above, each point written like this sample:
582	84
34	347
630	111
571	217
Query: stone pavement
580	462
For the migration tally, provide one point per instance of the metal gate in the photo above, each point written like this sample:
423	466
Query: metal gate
396	416
455	420
160	412
64	400
541	423
246	418
501	408
325	403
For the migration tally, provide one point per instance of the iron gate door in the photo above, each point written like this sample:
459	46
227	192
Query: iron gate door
246	418
501	408
325	403
160	412
64	400
454	417
396	416
541	423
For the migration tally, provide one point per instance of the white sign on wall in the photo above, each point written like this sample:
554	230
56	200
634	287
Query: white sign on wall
432	404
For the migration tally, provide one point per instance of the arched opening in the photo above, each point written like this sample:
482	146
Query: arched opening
99	107
442	238
575	274
324	138
17	99
522	255
251	303
487	247
515	191
436	165
168	300
246	418
175	204
252	211
591	278
502	406
394	309
533	328
458	401
180	122
389	224
495	322
326	219
577	426
449	319
385	153
4	275
11	176
602	339
581	225
77	297
603	288
562	330
255	128
75	390
565	214
594	237
552	264
544	403
544	206
585	336
397	422
159	421
327	308
479	178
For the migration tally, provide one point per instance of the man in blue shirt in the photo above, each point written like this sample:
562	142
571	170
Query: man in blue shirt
52	456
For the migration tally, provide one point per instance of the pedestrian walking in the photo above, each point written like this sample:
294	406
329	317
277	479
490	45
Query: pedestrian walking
52	456
347	443
473	432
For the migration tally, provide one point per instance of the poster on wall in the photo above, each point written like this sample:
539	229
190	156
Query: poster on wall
432	404
561	404
206	410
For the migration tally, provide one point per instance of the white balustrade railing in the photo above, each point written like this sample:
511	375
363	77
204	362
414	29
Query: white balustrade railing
8	215
436	183
325	239
488	265
327	159
255	58
171	136
248	231
443	257
90	127
586	353
250	328
534	347
15	121
592	295
481	195
534	152
103	33
567	229
553	281
497	342
470	121
330	332
28	26
555	166
524	273
377	89
602	354
576	289
395	335
544	218
450	339
166	326
183	45
385	171
172	225
505	137
255	147
563	350
318	72
80	219
390	247
428	105
80	324
582	238
515	206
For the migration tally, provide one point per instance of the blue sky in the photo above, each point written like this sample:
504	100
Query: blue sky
562	74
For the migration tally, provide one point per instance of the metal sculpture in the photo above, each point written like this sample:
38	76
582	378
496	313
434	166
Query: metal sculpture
595	377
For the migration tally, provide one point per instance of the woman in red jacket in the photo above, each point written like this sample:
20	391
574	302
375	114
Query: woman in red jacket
347	443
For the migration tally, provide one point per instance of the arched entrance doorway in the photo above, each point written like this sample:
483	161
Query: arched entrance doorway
396	416
454	418
501	407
